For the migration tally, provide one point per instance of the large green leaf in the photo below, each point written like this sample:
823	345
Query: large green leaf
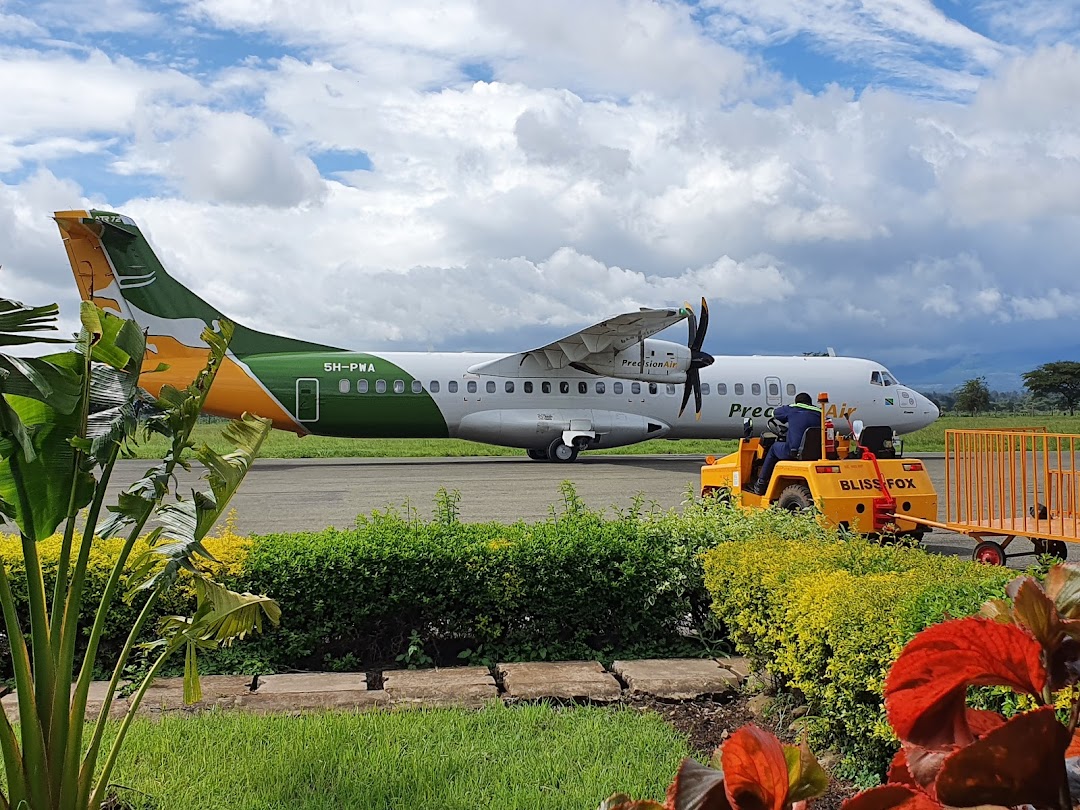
42	379
221	617
185	523
16	317
37	487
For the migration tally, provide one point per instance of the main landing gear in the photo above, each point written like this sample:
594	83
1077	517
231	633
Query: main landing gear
556	451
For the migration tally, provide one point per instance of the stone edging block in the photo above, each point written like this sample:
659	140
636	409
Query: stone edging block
563	680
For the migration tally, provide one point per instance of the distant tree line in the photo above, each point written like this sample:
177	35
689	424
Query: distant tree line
1050	387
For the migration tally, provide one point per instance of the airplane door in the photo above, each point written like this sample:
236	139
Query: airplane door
774	392
307	399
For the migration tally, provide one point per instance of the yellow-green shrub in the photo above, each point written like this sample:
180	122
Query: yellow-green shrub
229	549
828	615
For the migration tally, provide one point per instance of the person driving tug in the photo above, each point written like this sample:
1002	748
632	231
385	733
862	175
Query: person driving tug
799	416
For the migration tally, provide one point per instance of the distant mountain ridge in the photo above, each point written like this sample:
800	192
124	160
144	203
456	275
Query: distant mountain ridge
1003	370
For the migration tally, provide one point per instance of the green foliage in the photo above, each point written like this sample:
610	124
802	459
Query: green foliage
828	615
400	589
63	422
1060	380
973	396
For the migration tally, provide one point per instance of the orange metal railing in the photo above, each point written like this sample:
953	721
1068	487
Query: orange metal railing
1012	482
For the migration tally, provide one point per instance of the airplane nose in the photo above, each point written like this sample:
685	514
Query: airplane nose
927	411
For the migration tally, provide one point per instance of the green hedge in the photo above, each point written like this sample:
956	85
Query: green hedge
398	589
401	591
828	616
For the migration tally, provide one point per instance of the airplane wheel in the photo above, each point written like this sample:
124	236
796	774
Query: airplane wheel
1058	548
796	498
537	455
989	553
563	453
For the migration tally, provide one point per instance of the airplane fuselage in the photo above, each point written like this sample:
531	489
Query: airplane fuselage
431	394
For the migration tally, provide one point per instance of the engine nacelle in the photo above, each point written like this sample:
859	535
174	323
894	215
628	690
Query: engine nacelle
661	362
537	428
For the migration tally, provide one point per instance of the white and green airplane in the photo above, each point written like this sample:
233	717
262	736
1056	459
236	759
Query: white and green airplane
607	385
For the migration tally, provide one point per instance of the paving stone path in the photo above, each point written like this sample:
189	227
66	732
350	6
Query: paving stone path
666	679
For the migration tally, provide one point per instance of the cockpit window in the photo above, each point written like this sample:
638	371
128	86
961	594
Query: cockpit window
875	378
888	378
882	378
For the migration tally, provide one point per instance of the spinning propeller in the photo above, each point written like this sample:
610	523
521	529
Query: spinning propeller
698	358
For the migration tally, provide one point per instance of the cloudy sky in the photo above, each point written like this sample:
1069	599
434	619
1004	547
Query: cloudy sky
898	179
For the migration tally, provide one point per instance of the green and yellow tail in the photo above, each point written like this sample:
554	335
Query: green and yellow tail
116	268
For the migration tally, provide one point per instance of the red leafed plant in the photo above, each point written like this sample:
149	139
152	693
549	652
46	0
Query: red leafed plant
951	755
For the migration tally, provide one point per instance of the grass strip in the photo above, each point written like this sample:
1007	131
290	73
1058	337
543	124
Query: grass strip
526	756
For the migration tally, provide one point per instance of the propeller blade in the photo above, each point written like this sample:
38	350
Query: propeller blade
687	388
691	320
699	336
641	362
697	395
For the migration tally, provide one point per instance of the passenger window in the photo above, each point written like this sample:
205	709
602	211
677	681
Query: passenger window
774	389
490	386
755	389
452	386
380	386
344	386
791	389
470	386
361	386
509	386
564	387
417	387
528	387
739	389
616	388
399	386
721	389
583	388
705	389
600	387
635	388
652	388
670	390
545	387
433	386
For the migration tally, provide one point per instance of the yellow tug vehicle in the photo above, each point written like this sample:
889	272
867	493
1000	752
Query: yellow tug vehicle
859	482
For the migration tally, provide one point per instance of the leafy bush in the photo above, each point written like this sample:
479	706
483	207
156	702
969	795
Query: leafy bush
228	548
952	754
398	590
575	585
828	615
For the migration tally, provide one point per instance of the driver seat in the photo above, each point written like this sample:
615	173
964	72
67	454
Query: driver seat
810	446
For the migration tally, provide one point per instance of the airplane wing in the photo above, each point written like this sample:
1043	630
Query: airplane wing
613	335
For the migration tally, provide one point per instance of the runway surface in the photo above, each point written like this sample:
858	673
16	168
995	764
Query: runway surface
292	495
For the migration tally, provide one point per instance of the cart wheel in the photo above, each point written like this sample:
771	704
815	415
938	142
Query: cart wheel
718	494
796	498
989	553
1058	548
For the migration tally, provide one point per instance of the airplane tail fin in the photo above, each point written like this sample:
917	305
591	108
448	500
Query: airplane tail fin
116	268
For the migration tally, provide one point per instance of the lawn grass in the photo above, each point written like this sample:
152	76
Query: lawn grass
282	444
530	756
932	437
